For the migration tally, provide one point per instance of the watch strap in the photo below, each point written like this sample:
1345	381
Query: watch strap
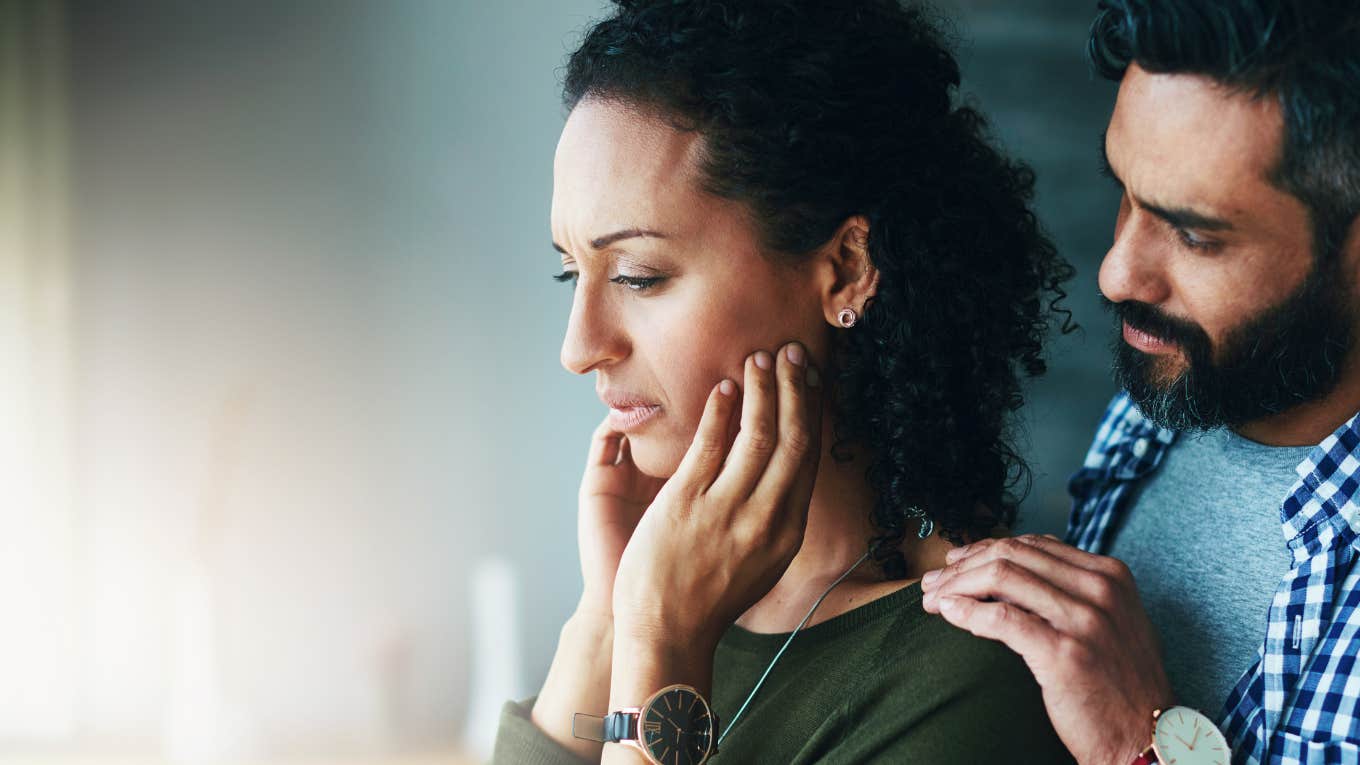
1145	757
589	727
620	726
612	728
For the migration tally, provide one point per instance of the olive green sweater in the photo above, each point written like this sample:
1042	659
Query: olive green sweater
883	683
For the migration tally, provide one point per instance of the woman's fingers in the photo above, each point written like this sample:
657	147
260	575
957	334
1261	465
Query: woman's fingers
792	469
706	453
755	442
604	445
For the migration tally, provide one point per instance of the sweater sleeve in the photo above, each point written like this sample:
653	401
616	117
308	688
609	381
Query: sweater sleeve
520	742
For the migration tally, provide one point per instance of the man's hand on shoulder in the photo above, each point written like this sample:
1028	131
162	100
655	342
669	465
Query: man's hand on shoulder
1076	620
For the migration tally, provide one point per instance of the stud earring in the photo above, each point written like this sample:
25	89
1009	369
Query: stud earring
847	317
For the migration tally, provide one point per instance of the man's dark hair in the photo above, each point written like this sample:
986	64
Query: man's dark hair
1304	53
812	112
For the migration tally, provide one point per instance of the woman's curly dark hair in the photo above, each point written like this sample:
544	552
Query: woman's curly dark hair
812	112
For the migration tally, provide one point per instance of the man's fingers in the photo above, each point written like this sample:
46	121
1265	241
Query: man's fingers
1005	580
1022	632
756	441
959	553
1016	550
1045	542
706	453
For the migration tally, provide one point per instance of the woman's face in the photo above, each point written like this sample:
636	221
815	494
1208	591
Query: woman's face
673	291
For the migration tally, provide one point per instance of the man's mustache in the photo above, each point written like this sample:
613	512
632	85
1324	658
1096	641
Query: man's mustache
1155	322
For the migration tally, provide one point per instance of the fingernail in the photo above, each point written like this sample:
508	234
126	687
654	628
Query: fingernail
795	353
763	359
929	599
929	578
813	379
727	387
948	604
956	553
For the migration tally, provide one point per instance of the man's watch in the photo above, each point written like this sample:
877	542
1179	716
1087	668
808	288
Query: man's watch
674	726
1183	736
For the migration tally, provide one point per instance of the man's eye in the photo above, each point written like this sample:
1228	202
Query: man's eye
568	276
637	283
1194	242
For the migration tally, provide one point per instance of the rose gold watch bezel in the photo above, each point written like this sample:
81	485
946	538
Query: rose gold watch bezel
636	743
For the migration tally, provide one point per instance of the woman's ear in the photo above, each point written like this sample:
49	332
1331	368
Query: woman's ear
848	276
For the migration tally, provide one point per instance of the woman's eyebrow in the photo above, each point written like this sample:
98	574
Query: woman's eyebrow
601	242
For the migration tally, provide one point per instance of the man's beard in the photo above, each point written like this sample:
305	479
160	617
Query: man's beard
1287	355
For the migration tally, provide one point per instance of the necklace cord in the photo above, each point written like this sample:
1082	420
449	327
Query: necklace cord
733	722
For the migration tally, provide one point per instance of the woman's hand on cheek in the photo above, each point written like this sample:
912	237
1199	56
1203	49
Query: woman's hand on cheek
613	496
725	527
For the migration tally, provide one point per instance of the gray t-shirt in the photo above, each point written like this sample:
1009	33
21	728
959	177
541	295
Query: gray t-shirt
1204	542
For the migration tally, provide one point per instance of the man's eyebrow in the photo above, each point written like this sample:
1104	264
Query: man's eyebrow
601	242
1183	217
1106	169
1180	217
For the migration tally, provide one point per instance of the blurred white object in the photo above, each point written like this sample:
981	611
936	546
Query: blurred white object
200	725
496	654
42	635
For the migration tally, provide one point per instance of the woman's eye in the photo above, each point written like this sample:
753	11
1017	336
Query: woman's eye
637	283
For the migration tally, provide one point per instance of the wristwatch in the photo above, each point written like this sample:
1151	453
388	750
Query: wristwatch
676	726
1183	736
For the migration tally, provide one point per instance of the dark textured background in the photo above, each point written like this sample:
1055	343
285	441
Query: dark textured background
1024	65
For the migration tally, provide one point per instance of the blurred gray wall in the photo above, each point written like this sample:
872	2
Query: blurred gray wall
1024	65
316	342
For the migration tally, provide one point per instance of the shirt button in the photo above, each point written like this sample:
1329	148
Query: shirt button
1140	447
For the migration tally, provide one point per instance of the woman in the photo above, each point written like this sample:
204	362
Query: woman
809	291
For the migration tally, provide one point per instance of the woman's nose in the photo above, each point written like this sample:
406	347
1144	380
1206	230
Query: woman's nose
594	336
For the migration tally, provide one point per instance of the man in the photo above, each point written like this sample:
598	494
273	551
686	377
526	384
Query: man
1225	478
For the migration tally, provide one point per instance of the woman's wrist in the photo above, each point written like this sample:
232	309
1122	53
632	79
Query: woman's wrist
578	681
591	610
643	665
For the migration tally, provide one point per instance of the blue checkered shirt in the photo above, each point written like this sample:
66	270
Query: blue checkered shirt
1299	702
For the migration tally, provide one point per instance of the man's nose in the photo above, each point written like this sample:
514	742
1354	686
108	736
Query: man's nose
1133	268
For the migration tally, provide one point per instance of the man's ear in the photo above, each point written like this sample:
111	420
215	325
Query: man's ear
847	276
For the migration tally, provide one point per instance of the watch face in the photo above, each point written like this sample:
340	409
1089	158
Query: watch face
1183	736
676	727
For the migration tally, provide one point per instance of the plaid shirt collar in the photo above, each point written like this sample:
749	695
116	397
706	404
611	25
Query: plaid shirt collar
1300	701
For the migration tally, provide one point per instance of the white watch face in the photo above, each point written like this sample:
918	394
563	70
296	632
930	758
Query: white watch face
1183	736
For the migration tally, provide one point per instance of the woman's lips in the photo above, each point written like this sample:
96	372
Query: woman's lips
632	417
1145	342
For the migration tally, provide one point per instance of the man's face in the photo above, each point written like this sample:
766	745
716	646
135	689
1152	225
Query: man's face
1226	313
